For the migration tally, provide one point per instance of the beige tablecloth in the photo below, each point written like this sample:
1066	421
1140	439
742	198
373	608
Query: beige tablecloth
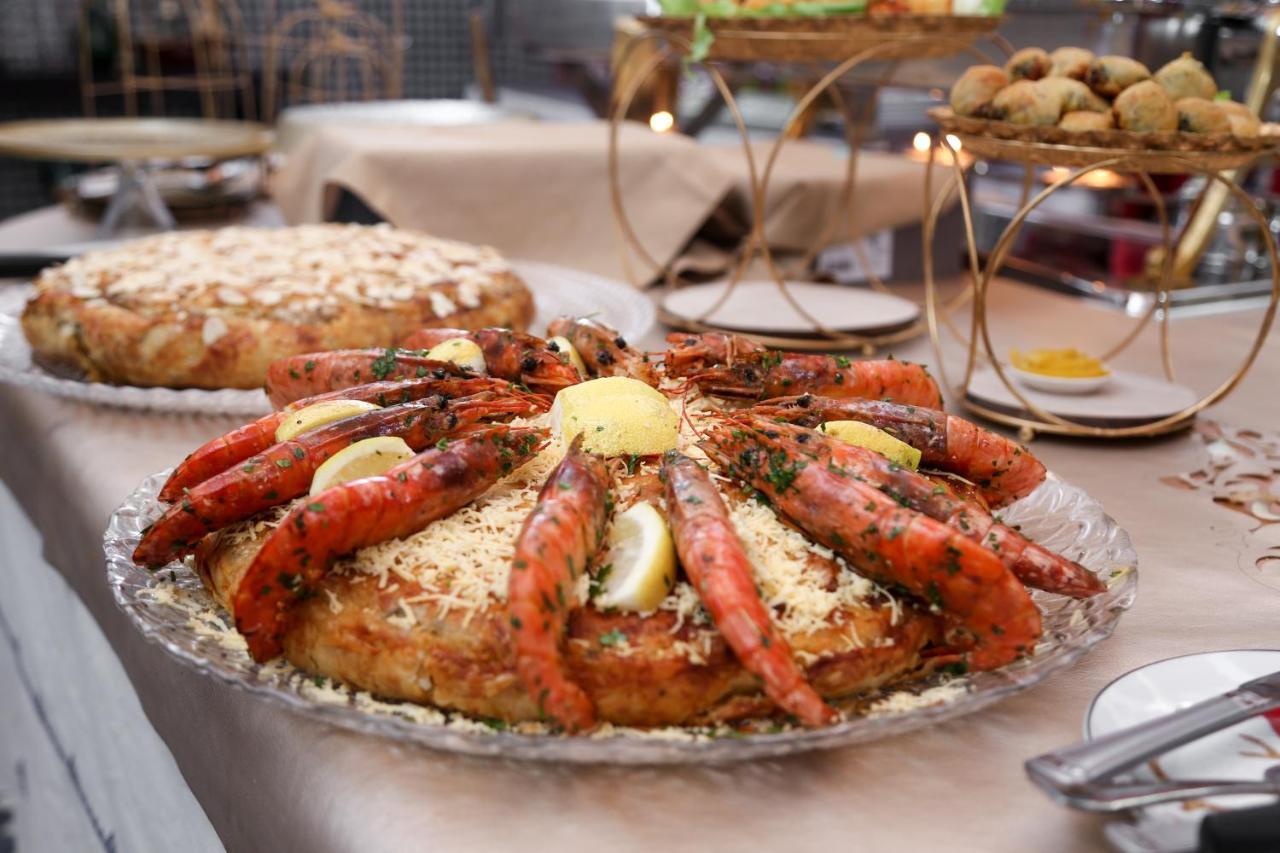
469	184
540	191
272	781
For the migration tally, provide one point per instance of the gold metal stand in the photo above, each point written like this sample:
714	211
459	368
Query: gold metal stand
1217	168
849	43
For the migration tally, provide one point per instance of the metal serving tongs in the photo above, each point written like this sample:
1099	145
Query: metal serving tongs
1077	774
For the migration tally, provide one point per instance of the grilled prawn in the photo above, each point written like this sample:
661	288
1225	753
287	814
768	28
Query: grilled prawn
559	538
758	374
717	565
238	445
690	354
1002	469
284	471
509	355
1035	566
299	376
603	350
993	618
364	512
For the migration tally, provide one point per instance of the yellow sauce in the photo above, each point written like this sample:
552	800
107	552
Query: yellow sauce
1064	363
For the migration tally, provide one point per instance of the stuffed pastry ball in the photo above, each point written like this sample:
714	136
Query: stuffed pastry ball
1145	106
977	87
1027	102
1030	63
1111	75
1186	77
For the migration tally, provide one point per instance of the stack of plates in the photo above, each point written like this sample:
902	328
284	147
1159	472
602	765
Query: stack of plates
761	308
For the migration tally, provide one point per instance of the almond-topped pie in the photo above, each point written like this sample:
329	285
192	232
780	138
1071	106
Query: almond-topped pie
212	309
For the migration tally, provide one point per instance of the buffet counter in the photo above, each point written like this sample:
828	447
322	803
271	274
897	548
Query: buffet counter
271	780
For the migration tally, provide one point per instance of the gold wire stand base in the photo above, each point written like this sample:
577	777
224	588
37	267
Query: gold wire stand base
848	43
1139	162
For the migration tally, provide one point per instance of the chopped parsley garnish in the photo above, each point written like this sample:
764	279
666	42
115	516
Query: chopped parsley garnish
596	584
384	365
613	638
782	471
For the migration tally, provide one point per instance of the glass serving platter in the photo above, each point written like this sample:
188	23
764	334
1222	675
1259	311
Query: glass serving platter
556	291
172	609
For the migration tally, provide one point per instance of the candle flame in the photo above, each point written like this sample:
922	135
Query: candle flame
921	141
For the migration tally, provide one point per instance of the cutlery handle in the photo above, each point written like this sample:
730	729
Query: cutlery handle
1102	757
1103	797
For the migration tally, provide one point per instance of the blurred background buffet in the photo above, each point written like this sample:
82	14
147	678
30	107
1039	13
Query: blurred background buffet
306	68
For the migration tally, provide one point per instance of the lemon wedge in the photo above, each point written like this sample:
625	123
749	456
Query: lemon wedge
318	414
461	352
570	352
616	416
640	564
865	435
365	458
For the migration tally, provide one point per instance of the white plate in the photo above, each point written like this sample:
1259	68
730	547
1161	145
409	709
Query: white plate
760	306
556	291
1242	752
1059	384
1128	398
189	626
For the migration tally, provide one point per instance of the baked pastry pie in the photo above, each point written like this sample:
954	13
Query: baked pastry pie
212	309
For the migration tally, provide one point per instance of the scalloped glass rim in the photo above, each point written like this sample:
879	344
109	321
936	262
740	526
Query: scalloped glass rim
1058	514
557	290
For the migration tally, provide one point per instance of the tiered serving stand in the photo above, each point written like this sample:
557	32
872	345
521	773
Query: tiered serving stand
843	44
1219	165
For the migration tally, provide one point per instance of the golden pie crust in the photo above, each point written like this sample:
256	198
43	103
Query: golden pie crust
356	631
212	309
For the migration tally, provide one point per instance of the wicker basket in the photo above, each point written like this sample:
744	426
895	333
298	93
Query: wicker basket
1155	152
831	39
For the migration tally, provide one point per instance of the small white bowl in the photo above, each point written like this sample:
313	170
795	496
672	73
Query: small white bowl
1061	384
